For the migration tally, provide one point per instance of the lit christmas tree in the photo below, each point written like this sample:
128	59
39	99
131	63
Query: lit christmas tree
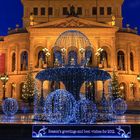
115	87
28	88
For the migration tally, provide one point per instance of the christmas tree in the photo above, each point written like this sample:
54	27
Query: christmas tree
115	87
28	88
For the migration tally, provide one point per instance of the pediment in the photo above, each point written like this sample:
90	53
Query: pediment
72	22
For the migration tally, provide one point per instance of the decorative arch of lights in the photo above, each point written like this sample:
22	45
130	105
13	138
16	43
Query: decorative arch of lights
72	38
72	41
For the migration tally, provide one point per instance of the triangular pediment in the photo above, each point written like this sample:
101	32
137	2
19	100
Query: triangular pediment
72	22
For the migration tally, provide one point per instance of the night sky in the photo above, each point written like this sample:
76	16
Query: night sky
11	12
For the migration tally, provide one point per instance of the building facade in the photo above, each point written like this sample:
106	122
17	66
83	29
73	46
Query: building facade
46	21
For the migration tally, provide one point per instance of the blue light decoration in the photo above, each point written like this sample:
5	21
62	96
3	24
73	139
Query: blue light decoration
72	58
110	97
10	106
88	55
60	106
72	74
39	104
85	111
123	133
119	106
81	131
58	56
73	77
105	113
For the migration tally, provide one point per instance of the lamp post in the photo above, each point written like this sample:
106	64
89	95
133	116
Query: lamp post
56	62
98	53
63	50
4	78
82	51
122	90
47	54
47	57
13	86
132	88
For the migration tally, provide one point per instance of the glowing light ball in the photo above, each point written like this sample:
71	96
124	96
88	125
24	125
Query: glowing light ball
85	111
10	106
119	106
60	107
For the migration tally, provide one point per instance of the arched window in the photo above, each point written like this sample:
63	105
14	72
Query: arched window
24	61
104	59
13	62
41	59
121	60
72	58
122	87
58	60
131	62
57	56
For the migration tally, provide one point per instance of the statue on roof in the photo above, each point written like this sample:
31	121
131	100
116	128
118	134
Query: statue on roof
72	11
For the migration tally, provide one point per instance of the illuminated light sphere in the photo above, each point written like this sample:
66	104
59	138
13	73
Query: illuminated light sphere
85	111
59	107
10	106
119	106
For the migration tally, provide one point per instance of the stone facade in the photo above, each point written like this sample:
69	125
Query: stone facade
22	47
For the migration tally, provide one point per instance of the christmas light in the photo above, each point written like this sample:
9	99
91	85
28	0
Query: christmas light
119	106
10	106
28	88
39	103
59	107
72	38
85	111
73	76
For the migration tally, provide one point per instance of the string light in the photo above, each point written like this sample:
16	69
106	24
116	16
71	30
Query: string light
10	106
59	107
85	111
73	77
119	106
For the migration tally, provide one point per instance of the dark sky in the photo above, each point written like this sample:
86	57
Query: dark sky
11	13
